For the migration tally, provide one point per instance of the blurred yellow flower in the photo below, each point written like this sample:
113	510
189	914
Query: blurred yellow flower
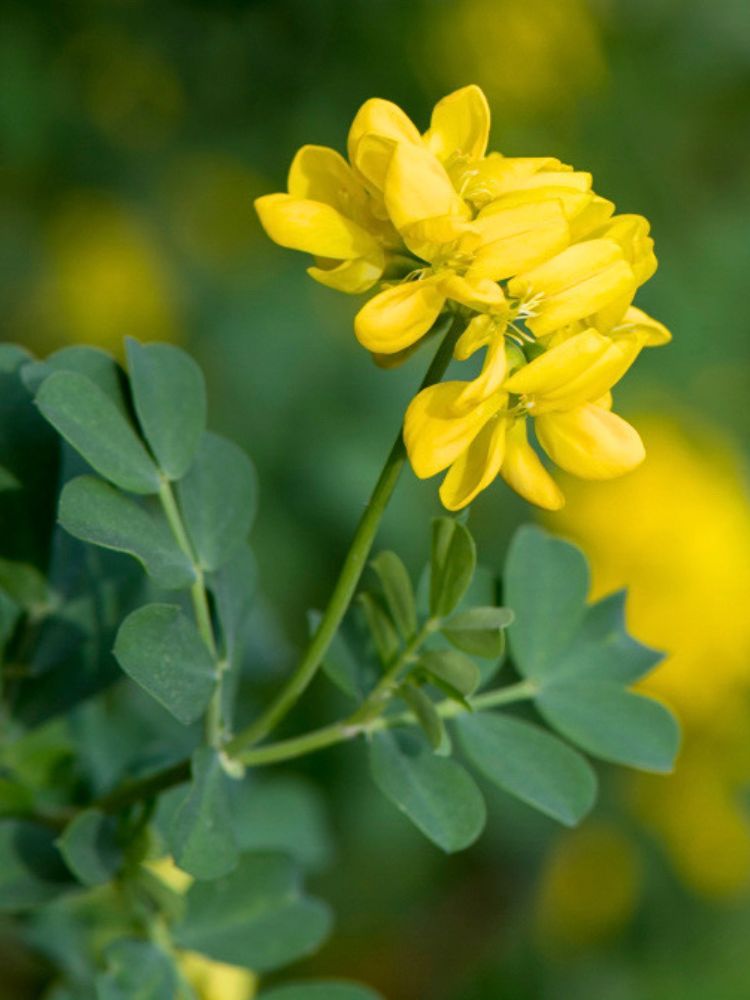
105	278
589	886
530	56
676	533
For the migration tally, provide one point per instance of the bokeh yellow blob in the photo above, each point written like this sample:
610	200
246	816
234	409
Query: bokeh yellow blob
529	56
105	278
589	888
210	196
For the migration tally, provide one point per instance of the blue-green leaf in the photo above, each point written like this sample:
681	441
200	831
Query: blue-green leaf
170	399
452	565
398	592
89	421
201	834
612	723
90	848
478	631
256	917
94	511
546	583
137	970
92	362
529	763
218	497
436	793
160	648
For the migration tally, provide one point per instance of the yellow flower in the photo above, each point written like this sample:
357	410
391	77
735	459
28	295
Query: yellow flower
326	214
521	250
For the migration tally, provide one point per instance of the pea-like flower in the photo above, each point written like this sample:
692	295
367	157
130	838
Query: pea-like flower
534	265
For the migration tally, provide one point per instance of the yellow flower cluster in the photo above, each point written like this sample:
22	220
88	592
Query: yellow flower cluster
536	266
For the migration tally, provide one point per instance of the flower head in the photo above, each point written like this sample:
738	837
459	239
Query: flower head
521	250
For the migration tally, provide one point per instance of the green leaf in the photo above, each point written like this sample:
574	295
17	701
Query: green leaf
137	970
256	917
602	648
612	723
160	648
454	669
430	722
90	848
529	763
436	793
96	512
383	633
218	498
201	836
322	989
97	365
284	814
31	869
89	421
479	631
452	566
398	591
169	395
546	583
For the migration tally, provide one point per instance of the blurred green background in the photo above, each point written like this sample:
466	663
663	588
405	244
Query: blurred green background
133	139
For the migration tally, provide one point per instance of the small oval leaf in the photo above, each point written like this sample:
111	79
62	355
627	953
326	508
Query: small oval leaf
452	566
169	395
160	648
89	421
218	500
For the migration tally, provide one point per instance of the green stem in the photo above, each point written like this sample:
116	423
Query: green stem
347	729
349	575
199	597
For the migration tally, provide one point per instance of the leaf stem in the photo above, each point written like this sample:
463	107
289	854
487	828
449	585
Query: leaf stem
201	610
349	575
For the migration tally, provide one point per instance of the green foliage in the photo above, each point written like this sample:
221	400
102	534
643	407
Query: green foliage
581	659
453	563
160	648
137	970
169	396
436	794
218	498
257	917
529	763
90	848
201	835
88	799
96	512
88	420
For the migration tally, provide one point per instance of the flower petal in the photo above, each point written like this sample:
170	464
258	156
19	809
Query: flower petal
490	379
436	432
313	227
477	334
560	365
460	124
631	232
417	187
651	332
352	276
518	238
576	283
590	442
476	293
475	468
397	317
388	125
523	471
318	173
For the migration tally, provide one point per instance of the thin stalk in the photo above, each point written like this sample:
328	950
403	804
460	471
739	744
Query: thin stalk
347	729
199	597
349	576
